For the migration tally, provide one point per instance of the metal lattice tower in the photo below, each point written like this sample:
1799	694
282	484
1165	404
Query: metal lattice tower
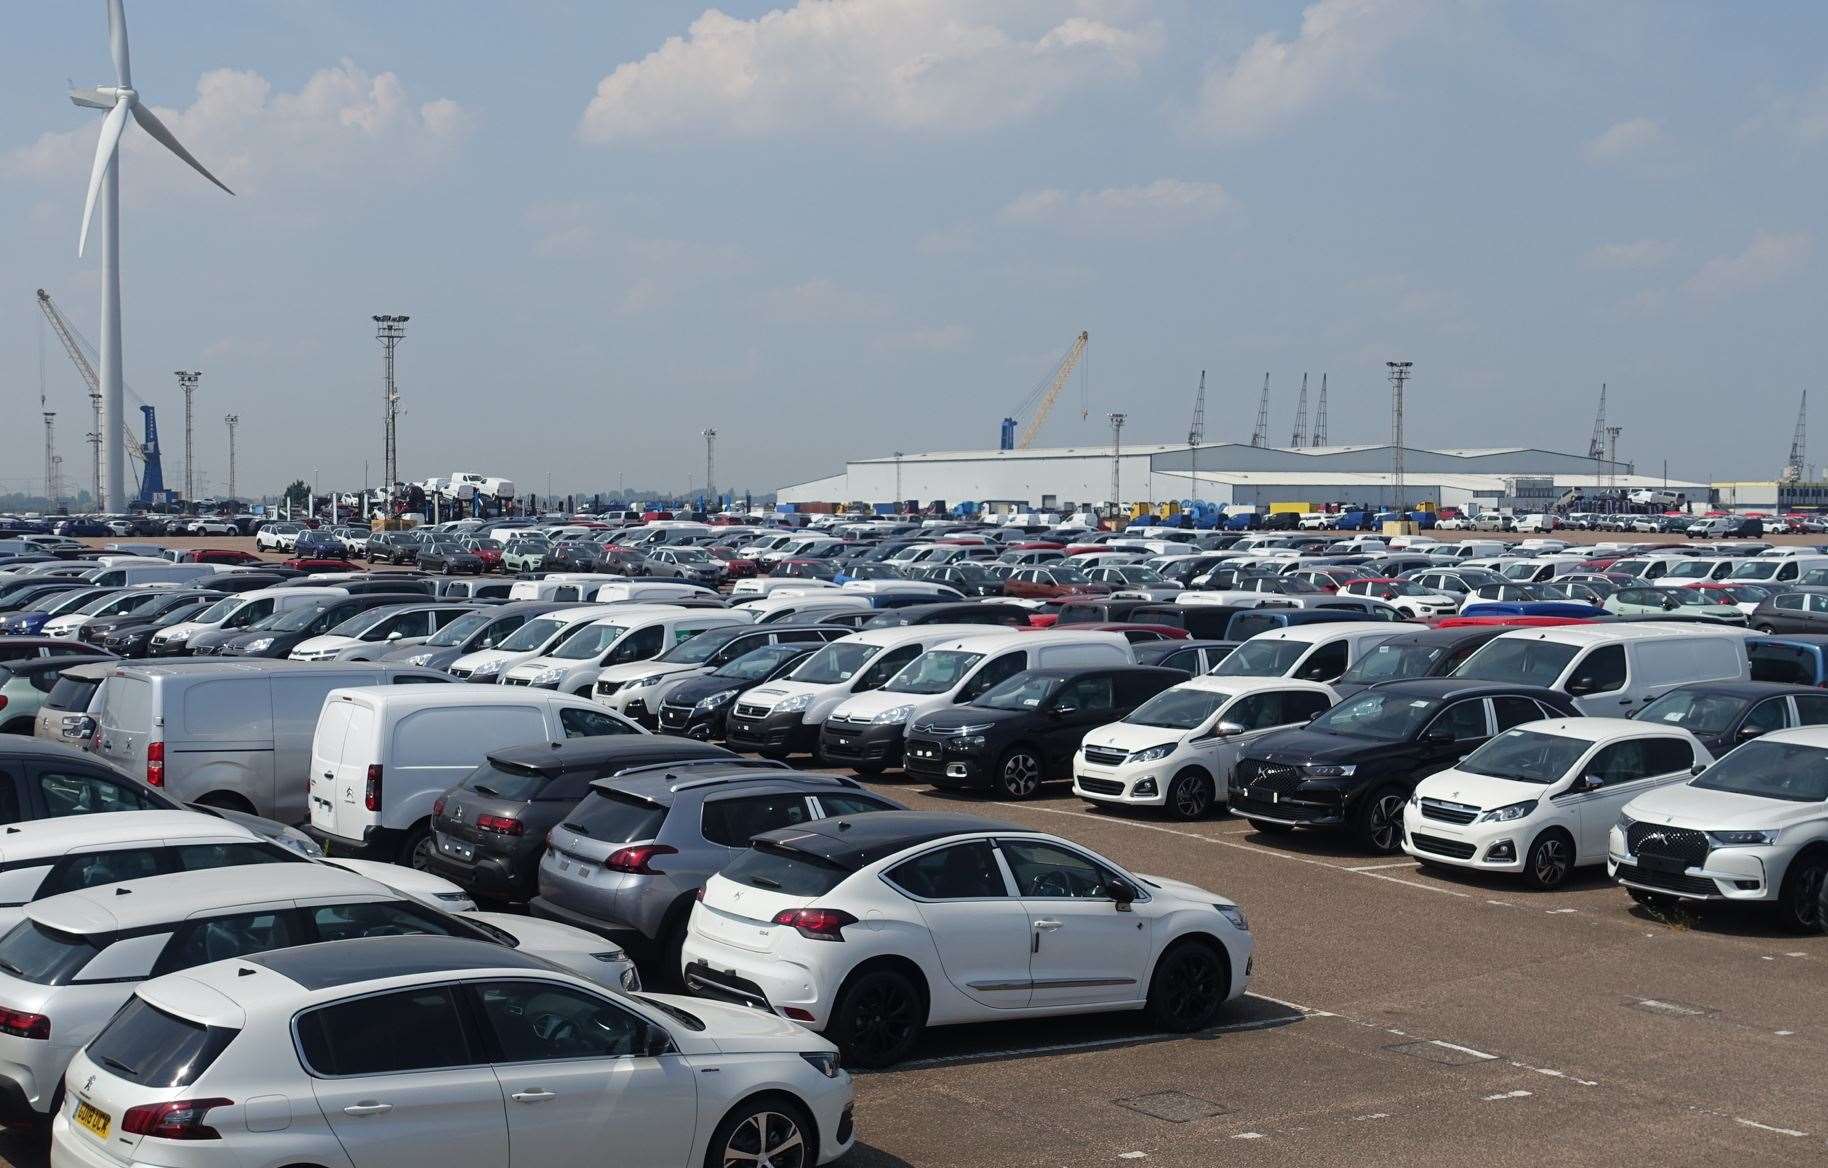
233	420
1300	437
1320	415
1612	458
1596	446
1794	470
1117	421
390	331
50	458
1260	436
710	436
1399	377
1196	433
187	380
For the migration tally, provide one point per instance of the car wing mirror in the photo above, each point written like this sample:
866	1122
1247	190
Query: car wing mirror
1697	768
1062	711
1588	783
1121	894
1438	737
1227	729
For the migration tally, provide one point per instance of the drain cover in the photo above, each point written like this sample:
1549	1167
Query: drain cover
1173	1106
1444	1053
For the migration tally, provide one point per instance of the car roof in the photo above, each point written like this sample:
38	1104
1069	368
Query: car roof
53	837
1749	690
29	665
1601	634
1445	688
20	746
662	783
408	696
150	669
990	639
1243	685
177	896
1324	630
854	841
895	636
367	959
1603	729
604	750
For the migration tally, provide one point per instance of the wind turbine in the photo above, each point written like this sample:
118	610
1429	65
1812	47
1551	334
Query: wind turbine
119	100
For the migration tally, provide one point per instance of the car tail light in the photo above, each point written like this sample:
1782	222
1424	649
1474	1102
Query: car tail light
636	860
438	807
2	701
20	1024
155	764
371	791
181	1119
818	924
501	824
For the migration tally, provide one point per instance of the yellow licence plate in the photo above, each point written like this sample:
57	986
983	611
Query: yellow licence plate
93	1118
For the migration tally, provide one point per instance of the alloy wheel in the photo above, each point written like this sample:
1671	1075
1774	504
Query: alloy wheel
882	1020
767	1139
421	858
1552	862
1190	983
1386	822
1190	799
1021	775
1806	907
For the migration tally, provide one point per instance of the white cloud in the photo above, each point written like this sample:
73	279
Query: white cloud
1627	141
822	301
1642	253
1164	204
343	126
1767	259
921	66
1801	116
955	240
642	274
1274	81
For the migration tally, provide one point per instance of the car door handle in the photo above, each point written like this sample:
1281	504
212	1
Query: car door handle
1047	926
536	1095
368	1109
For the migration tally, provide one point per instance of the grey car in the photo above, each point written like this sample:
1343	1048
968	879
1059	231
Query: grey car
630	858
485	628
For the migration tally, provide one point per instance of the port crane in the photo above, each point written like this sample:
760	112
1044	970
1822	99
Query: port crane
1040	400
144	453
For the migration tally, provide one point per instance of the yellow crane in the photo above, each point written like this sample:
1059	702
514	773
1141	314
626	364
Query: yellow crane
1040	400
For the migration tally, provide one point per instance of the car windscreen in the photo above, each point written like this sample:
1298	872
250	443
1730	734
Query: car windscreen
1756	570
358	624
590	641
292	620
147	1046
1387	717
1178	709
1790	771
1526	756
534	633
1519	660
459	630
1387	662
611	817
758	663
699	649
36	953
1024	691
780	870
1262	659
834	663
934	671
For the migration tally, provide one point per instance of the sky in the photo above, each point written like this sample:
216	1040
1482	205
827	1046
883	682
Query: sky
840	228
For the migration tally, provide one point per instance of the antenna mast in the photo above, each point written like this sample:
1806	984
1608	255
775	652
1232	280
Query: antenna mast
1260	436
1320	420
1300	437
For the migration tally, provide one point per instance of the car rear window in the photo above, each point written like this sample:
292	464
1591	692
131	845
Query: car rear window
498	782
72	693
612	817
145	1045
43	955
780	870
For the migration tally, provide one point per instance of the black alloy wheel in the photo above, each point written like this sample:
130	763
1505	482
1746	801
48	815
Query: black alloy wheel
1189	795
1187	989
1380	820
1550	860
879	1020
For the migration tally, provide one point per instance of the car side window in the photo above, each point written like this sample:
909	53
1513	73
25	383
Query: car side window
1765	717
1788	600
1301	706
885	667
1324	664
832	806
582	723
419	1029
1811	710
1464	720
9	792
1818	602
220	938
379	918
1185	660
76	793
1602	671
1045	870
1622	762
89	869
733	822
965	871
536	1021
994	673
1666	756
639	645
1087	695
1256	711
1513	711
198	857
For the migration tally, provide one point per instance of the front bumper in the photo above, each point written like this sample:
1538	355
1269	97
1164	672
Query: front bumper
930	760
1292	803
1118	784
853	744
1490	847
1744	874
771	734
688	722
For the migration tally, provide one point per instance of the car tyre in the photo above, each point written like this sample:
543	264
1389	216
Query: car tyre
1799	902
878	1020
417	849
1190	795
1188	987
1018	773
1549	861
1378	823
770	1130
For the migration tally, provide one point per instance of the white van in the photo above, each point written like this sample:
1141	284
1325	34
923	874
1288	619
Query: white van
785	606
865	732
1468	549
1696	569
1611	670
563	586
634	632
1651	567
151	572
382	756
784	717
754	586
652	592
1316	652
537	637
1776	569
232	734
236	612
928	588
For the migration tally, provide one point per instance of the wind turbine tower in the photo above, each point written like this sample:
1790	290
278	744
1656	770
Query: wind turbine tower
121	101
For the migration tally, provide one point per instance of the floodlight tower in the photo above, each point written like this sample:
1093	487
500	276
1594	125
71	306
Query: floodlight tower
1399	377
1117	421
233	420
710	437
187	381
390	331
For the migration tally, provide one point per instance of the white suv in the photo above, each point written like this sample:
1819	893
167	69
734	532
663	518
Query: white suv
434	1050
872	927
75	959
1752	827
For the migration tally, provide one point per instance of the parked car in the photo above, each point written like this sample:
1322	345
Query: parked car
1354	767
638	689
1406	596
700	707
1310	652
392	547
632	635
277	537
26	683
1695	602
449	557
367	1032
1434	652
1750	829
489	551
277	635
1722	715
1539	799
953	904
1800	610
1609	670
474	631
524	554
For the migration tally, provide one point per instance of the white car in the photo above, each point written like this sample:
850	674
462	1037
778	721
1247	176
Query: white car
212	527
1177	750
1752	828
440	1051
75	958
1540	799
979	923
1407	597
368	634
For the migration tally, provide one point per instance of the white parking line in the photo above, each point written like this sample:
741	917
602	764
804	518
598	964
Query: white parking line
1781	1131
1507	1095
1380	867
1478	1054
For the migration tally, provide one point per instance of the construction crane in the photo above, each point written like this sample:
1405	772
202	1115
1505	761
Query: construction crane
1196	433
1596	446
1040	400
1300	437
1260	436
1794	470
80	350
1320	419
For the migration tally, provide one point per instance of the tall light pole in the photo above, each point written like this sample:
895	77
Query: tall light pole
710	436
390	331
1117	421
1399	377
233	420
187	381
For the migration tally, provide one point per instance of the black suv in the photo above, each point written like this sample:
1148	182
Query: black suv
1355	766
1020	733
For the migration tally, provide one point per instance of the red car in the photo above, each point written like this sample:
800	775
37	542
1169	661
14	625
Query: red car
218	556
735	567
1137	632
486	550
1049	582
312	567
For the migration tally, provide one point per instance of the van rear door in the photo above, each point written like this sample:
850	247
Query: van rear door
124	725
327	745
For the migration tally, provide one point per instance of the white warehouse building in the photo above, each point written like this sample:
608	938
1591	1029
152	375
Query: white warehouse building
1229	473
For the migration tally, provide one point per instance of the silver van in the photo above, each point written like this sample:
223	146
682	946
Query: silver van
235	734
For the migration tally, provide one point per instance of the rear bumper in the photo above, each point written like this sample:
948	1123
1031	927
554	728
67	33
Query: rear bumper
488	875
377	843
765	981
16	1110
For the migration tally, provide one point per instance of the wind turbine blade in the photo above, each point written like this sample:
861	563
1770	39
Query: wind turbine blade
150	122
104	157
117	44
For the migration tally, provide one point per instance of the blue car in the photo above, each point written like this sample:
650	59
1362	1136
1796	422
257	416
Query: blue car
1567	608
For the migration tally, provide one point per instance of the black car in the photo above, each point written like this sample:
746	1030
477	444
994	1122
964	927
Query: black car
1021	733
971	579
393	547
449	557
1192	657
1723	714
96	630
489	831
279	634
950	612
700	708
1355	766
1428	653
132	637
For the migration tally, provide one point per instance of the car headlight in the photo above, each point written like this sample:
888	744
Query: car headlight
1508	813
794	704
715	700
1153	753
824	1062
965	743
453	898
548	676
644	682
1235	915
419	659
893	715
1330	771
1741	839
259	645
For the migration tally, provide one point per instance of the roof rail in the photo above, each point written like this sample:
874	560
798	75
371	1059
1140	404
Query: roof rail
834	780
681	763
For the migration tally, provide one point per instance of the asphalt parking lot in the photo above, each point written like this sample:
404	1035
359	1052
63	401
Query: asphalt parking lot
1396	1017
